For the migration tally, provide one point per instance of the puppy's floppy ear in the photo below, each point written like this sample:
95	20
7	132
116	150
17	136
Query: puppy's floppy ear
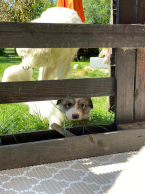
58	102
91	103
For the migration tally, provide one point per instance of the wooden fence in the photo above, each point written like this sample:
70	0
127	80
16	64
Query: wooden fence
74	35
128	86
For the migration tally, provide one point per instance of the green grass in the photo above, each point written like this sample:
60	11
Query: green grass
6	62
83	72
15	118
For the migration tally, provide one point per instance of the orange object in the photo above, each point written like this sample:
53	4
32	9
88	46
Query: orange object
77	5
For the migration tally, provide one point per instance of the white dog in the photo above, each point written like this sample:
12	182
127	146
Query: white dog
53	62
17	73
57	110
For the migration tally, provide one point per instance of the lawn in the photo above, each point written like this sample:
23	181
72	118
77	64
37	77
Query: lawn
15	118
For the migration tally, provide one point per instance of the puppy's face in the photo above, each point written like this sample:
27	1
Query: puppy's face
76	109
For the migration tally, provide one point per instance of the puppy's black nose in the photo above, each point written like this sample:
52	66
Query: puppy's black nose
75	116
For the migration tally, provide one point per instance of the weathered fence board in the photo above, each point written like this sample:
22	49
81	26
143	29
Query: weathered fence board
125	67
73	35
140	86
130	126
11	92
140	71
35	153
32	35
125	73
111	99
141	12
126	12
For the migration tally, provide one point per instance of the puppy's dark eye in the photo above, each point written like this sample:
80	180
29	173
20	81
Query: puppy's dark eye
82	105
68	105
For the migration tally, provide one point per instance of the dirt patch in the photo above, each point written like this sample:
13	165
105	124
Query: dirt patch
80	72
89	69
102	70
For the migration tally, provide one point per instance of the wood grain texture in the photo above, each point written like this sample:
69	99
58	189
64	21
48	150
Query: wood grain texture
140	71
140	86
111	99
35	153
127	12
125	72
11	92
129	126
141	12
125	67
32	35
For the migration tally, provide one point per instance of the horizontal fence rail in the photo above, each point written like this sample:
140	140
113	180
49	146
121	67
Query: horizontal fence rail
12	92
63	149
38	35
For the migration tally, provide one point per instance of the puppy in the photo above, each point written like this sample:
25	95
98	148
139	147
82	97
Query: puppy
57	110
53	62
17	73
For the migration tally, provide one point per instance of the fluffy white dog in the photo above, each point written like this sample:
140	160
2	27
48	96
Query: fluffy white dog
57	110
53	62
17	73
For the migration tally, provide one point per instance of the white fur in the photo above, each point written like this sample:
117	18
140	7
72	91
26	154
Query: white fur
55	113
53	62
17	73
132	179
46	110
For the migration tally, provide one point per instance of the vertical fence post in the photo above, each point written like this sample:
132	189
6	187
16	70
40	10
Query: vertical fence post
125	67
111	99
125	72
140	70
